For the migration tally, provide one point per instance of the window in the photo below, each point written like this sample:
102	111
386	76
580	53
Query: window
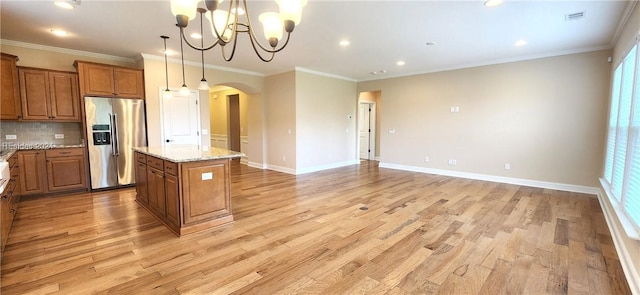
622	163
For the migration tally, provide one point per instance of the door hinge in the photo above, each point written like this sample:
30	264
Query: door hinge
196	102
197	132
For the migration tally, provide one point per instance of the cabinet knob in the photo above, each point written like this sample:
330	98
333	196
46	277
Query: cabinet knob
12	211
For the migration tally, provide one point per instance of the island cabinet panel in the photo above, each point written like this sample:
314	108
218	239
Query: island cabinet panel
141	181
206	191
186	196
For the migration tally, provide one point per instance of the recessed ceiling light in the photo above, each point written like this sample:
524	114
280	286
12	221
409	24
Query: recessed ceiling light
492	3
520	43
169	52
430	43
400	63
59	33
196	36
344	43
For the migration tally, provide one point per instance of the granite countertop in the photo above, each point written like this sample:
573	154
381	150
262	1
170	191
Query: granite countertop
187	153
9	150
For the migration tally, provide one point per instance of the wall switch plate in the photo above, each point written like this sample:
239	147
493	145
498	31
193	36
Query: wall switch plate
453	162
392	131
206	131
426	159
507	166
11	136
58	136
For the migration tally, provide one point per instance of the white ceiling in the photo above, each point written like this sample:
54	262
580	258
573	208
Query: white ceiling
466	33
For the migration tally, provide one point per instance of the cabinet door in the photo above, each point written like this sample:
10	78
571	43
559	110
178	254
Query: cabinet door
6	217
34	91
141	183
155	190
129	83
172	193
32	172
206	194
10	91
98	79
64	95
66	173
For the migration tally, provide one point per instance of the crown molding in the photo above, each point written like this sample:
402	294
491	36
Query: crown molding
304	70
67	51
196	64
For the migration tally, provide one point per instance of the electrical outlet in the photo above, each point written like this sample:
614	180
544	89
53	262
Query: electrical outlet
392	131
507	166
58	136
453	162
11	136
284	158
426	159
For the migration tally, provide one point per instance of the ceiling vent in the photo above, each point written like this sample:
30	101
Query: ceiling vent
574	16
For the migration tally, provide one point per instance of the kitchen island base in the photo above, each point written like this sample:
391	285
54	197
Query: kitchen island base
187	196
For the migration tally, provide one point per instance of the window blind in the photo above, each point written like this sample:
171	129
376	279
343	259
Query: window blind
613	120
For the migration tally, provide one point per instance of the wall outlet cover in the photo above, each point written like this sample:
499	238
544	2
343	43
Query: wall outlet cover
11	136
58	136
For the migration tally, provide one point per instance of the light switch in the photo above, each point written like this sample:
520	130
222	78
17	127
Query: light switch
392	131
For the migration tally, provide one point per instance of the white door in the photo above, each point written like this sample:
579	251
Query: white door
180	117
364	121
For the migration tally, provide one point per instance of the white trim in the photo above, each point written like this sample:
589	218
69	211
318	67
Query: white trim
280	169
300	69
67	51
627	224
378	159
256	165
493	178
493	62
196	64
630	272
628	11
326	167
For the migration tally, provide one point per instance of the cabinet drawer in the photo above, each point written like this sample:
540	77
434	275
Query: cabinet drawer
171	168
11	187
141	157
64	152
155	163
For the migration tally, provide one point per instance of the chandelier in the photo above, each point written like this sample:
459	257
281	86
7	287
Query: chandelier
227	24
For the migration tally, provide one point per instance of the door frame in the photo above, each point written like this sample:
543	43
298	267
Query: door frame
372	126
177	91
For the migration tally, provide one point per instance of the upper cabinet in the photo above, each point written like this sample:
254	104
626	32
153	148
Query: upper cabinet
49	95
110	81
9	93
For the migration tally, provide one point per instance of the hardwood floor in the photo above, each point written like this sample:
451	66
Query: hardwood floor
357	229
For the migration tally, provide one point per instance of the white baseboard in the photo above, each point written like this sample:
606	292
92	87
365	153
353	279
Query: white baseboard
493	178
280	169
326	167
256	165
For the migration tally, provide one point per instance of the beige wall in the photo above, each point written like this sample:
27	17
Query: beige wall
280	107
325	134
545	117
626	245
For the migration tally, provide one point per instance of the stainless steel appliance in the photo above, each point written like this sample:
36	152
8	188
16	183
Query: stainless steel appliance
114	125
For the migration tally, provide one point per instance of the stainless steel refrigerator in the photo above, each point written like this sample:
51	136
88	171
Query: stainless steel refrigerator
114	125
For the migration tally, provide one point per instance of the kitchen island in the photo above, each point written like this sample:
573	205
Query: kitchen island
186	187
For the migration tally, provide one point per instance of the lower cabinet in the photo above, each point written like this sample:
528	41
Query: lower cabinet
186	197
52	171
9	201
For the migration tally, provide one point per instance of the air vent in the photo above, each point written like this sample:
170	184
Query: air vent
574	16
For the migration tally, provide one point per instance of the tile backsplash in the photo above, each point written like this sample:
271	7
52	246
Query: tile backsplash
41	132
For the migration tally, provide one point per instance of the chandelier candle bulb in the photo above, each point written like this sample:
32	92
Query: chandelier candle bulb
184	10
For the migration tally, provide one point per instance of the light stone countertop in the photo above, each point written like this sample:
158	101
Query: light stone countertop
187	153
6	153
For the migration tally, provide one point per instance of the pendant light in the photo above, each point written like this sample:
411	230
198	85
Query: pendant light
166	93
184	90
203	83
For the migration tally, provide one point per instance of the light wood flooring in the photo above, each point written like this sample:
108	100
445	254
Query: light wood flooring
352	230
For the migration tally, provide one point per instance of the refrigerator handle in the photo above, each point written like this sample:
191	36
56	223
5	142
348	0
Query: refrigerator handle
115	145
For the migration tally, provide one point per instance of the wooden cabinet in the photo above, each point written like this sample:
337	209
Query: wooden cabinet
141	179
49	95
66	169
111	81
9	201
186	197
32	172
52	171
10	89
